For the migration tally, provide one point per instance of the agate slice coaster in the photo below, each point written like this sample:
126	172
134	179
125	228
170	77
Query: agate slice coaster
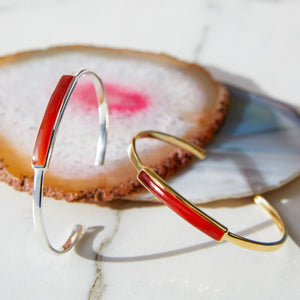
144	91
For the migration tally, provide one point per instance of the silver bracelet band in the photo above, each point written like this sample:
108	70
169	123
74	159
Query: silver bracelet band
45	143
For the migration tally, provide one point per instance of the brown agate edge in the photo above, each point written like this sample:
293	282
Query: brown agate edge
15	167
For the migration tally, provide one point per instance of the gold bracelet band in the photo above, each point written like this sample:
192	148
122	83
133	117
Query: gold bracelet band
192	214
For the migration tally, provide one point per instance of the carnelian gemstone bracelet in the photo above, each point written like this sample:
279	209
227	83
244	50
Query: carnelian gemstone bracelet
45	142
188	211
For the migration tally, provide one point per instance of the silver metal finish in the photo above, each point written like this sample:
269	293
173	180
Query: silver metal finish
38	219
37	208
102	113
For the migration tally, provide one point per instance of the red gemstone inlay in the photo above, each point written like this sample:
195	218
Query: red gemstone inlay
181	209
44	135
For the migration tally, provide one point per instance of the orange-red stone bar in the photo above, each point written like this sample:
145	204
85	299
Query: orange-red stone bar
43	139
180	208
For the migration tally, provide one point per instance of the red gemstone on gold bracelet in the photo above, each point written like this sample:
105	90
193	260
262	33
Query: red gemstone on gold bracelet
43	139
180	208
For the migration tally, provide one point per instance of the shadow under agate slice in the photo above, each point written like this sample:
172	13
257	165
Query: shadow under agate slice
256	150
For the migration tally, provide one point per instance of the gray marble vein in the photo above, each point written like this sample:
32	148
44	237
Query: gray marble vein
99	286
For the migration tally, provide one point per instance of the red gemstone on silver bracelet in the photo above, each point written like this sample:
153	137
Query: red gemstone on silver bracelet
43	139
186	212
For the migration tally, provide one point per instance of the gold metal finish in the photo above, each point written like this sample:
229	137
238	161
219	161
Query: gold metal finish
164	185
200	153
197	151
260	246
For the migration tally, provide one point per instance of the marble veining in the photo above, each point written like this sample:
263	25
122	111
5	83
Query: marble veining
143	251
99	286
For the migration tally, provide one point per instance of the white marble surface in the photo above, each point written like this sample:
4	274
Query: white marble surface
140	251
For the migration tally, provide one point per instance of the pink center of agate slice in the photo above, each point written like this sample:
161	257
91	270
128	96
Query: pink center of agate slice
121	99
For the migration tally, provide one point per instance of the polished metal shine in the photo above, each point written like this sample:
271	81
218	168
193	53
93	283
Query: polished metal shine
37	204
191	208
